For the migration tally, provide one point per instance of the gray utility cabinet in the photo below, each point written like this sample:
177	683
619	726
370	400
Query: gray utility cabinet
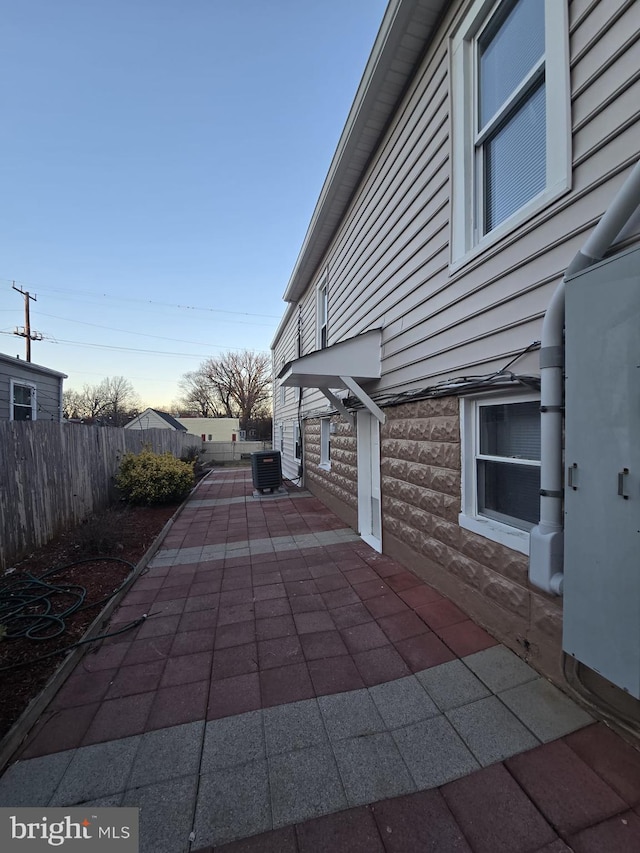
602	470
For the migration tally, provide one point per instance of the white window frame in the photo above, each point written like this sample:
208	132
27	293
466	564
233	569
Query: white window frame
281	437
297	442
325	444
322	313
20	383
469	517
466	240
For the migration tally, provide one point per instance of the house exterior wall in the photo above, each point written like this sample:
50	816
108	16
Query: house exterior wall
389	265
421	458
48	385
338	487
221	429
389	262
287	402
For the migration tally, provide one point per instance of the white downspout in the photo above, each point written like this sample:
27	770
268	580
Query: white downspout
546	542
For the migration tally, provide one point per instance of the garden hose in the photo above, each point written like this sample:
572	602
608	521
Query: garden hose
27	607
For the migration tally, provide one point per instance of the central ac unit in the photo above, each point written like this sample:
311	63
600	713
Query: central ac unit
266	469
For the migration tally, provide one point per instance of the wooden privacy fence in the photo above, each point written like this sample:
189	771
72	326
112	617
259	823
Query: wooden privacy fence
53	475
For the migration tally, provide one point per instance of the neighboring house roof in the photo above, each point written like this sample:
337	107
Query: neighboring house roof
169	419
406	30
29	365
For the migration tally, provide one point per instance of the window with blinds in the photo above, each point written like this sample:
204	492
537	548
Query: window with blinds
511	133
511	118
508	462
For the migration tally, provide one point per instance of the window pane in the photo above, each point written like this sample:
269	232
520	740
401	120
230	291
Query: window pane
22	395
509	493
323	313
323	305
511	430
298	449
508	54
515	161
325	441
22	413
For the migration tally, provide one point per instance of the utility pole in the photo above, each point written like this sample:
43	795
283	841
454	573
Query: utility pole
25	331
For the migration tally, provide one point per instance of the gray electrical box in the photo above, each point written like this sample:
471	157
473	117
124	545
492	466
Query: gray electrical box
602	470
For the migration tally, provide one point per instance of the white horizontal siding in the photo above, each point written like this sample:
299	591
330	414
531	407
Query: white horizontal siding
48	390
286	415
389	261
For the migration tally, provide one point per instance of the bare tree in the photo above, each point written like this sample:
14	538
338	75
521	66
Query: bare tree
121	399
112	402
197	395
92	401
238	385
71	404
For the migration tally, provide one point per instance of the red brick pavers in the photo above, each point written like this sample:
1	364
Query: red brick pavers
577	794
237	633
244	629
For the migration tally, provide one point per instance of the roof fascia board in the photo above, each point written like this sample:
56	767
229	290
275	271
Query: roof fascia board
380	69
365	90
291	307
37	368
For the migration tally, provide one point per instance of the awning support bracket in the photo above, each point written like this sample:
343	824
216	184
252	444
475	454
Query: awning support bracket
364	398
338	404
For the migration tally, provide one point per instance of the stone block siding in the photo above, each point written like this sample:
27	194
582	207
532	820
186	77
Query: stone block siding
421	464
420	483
341	482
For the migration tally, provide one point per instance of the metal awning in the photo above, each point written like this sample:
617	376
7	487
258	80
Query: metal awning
341	366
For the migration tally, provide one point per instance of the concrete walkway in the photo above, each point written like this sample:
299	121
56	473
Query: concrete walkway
293	688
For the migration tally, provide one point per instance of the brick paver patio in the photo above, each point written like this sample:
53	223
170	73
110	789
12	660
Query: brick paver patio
295	689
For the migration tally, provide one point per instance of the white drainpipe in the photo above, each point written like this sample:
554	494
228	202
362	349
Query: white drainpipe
546	543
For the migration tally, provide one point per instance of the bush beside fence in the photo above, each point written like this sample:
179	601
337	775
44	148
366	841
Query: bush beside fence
53	475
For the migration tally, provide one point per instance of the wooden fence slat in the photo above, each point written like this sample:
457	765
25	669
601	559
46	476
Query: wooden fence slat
53	475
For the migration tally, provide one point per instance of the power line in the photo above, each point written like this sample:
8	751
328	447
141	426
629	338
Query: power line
143	351
128	331
152	302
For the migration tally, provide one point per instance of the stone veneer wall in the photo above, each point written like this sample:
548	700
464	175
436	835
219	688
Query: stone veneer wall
420	460
338	488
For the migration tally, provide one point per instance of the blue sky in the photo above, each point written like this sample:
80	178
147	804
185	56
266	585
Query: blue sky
160	161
